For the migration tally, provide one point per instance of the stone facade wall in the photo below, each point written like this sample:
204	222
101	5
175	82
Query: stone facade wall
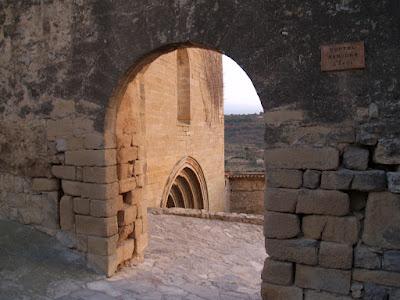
245	192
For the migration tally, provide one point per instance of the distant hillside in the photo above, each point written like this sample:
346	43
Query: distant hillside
244	142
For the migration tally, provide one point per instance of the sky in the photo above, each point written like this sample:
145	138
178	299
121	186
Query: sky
240	96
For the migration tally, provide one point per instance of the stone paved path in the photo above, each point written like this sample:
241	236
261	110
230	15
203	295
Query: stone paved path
188	258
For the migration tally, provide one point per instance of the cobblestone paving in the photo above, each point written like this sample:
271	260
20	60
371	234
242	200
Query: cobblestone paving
188	258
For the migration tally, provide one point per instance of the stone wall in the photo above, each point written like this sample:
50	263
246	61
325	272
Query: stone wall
245	192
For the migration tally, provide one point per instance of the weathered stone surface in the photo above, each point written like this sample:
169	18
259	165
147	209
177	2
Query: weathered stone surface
330	280
335	255
125	250
358	200
64	172
323	202
141	243
102	246
73	188
336	180
367	181
280	225
126	155
356	158
295	250
91	157
391	261
394	182
81	205
302	158
109	208
277	272
281	200
382	221
100	191
102	227
67	213
365	258
100	174
311	179
127	215
333	229
284	178
103	264
45	184
127	185
315	295
277	292
377	276
387	152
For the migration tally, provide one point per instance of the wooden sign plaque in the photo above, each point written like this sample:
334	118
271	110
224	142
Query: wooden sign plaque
346	56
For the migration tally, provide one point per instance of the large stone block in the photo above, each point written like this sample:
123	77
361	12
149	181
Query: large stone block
127	215
311	179
315	295
102	246
336	180
295	250
382	221
127	185
367	181
141	243
387	152
100	174
335	255
302	158
330	280
277	292
394	182
98	158
73	188
108	208
365	258
280	225
45	184
356	158
277	272
102	227
67	217
128	154
64	172
332	229
284	178
391	261
377	277
281	200
323	202
125	250
100	191
81	205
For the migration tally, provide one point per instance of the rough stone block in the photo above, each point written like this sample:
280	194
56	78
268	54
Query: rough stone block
100	141
277	292
82	242
103	227
368	181
139	167
64	172
365	258
126	155
311	179
356	158
336	180
323	202
125	250
315	295
45	184
108	208
294	250
127	185
100	191
277	272
391	261
67	217
103	264
81	205
387	152
73	188
102	246
125	232
98	158
284	178
330	280
141	180
332	229
336	256
394	182
377	277
127	215
133	197
125	171
280	225
141	243
138	227
281	200
100	174
302	158
382	221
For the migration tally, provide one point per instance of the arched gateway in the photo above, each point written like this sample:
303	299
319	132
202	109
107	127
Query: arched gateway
332	215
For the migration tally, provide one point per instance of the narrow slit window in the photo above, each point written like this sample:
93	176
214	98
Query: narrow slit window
183	82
